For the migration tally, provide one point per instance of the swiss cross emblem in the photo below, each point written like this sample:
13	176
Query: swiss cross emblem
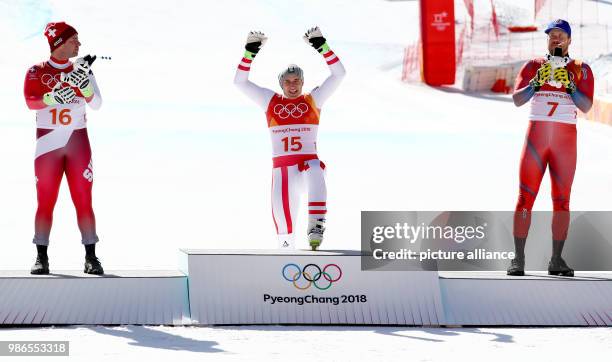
51	32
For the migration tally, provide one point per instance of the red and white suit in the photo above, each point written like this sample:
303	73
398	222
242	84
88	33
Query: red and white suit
550	142
293	126
62	146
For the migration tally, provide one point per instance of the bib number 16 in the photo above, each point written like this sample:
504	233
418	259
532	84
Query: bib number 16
292	144
63	117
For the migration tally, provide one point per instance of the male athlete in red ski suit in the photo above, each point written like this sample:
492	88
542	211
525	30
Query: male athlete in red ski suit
59	91
557	86
293	121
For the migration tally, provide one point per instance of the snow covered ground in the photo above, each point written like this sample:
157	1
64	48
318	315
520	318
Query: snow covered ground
280	343
182	159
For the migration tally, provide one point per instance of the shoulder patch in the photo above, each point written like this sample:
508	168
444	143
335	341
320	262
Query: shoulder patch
33	72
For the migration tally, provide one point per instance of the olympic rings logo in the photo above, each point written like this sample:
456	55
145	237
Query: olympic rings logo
312	274
48	79
286	110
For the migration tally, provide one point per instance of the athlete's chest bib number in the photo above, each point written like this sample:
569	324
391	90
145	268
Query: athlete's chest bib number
62	117
553	107
292	144
293	139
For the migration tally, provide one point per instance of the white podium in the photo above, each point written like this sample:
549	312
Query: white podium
72	297
246	287
304	287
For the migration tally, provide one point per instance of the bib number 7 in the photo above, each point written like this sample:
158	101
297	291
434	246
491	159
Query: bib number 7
554	106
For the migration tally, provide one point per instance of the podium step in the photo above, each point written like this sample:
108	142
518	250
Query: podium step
536	299
73	297
247	287
305	287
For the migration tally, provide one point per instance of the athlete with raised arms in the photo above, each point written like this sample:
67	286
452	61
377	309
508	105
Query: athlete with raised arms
59	90
557	87
293	120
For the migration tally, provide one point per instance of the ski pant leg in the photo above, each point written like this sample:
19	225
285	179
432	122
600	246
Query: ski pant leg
79	174
49	170
562	169
314	174
286	188
534	159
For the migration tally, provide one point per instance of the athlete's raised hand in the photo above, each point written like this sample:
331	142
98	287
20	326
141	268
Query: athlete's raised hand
315	38
542	76
79	76
83	64
255	40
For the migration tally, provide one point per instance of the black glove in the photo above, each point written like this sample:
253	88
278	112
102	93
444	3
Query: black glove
255	40
315	38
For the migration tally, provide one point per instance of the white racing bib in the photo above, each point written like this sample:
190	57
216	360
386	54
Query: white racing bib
294	139
63	115
553	106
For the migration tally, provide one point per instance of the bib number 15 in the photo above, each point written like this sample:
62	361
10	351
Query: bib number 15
62	117
292	144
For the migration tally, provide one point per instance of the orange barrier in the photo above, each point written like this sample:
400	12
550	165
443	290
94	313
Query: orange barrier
601	111
500	86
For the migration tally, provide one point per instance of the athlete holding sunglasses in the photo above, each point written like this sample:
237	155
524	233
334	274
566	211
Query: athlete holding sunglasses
59	91
556	87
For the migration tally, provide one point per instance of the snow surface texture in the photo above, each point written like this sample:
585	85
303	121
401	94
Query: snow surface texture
277	343
182	158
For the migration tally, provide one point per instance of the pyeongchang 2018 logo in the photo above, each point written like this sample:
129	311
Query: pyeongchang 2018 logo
439	21
312	275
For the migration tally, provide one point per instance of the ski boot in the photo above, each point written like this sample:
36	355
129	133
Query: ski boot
93	266
557	266
517	266
41	266
316	227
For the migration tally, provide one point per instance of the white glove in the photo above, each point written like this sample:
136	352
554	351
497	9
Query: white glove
255	40
59	95
315	38
256	36
81	64
77	78
312	33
